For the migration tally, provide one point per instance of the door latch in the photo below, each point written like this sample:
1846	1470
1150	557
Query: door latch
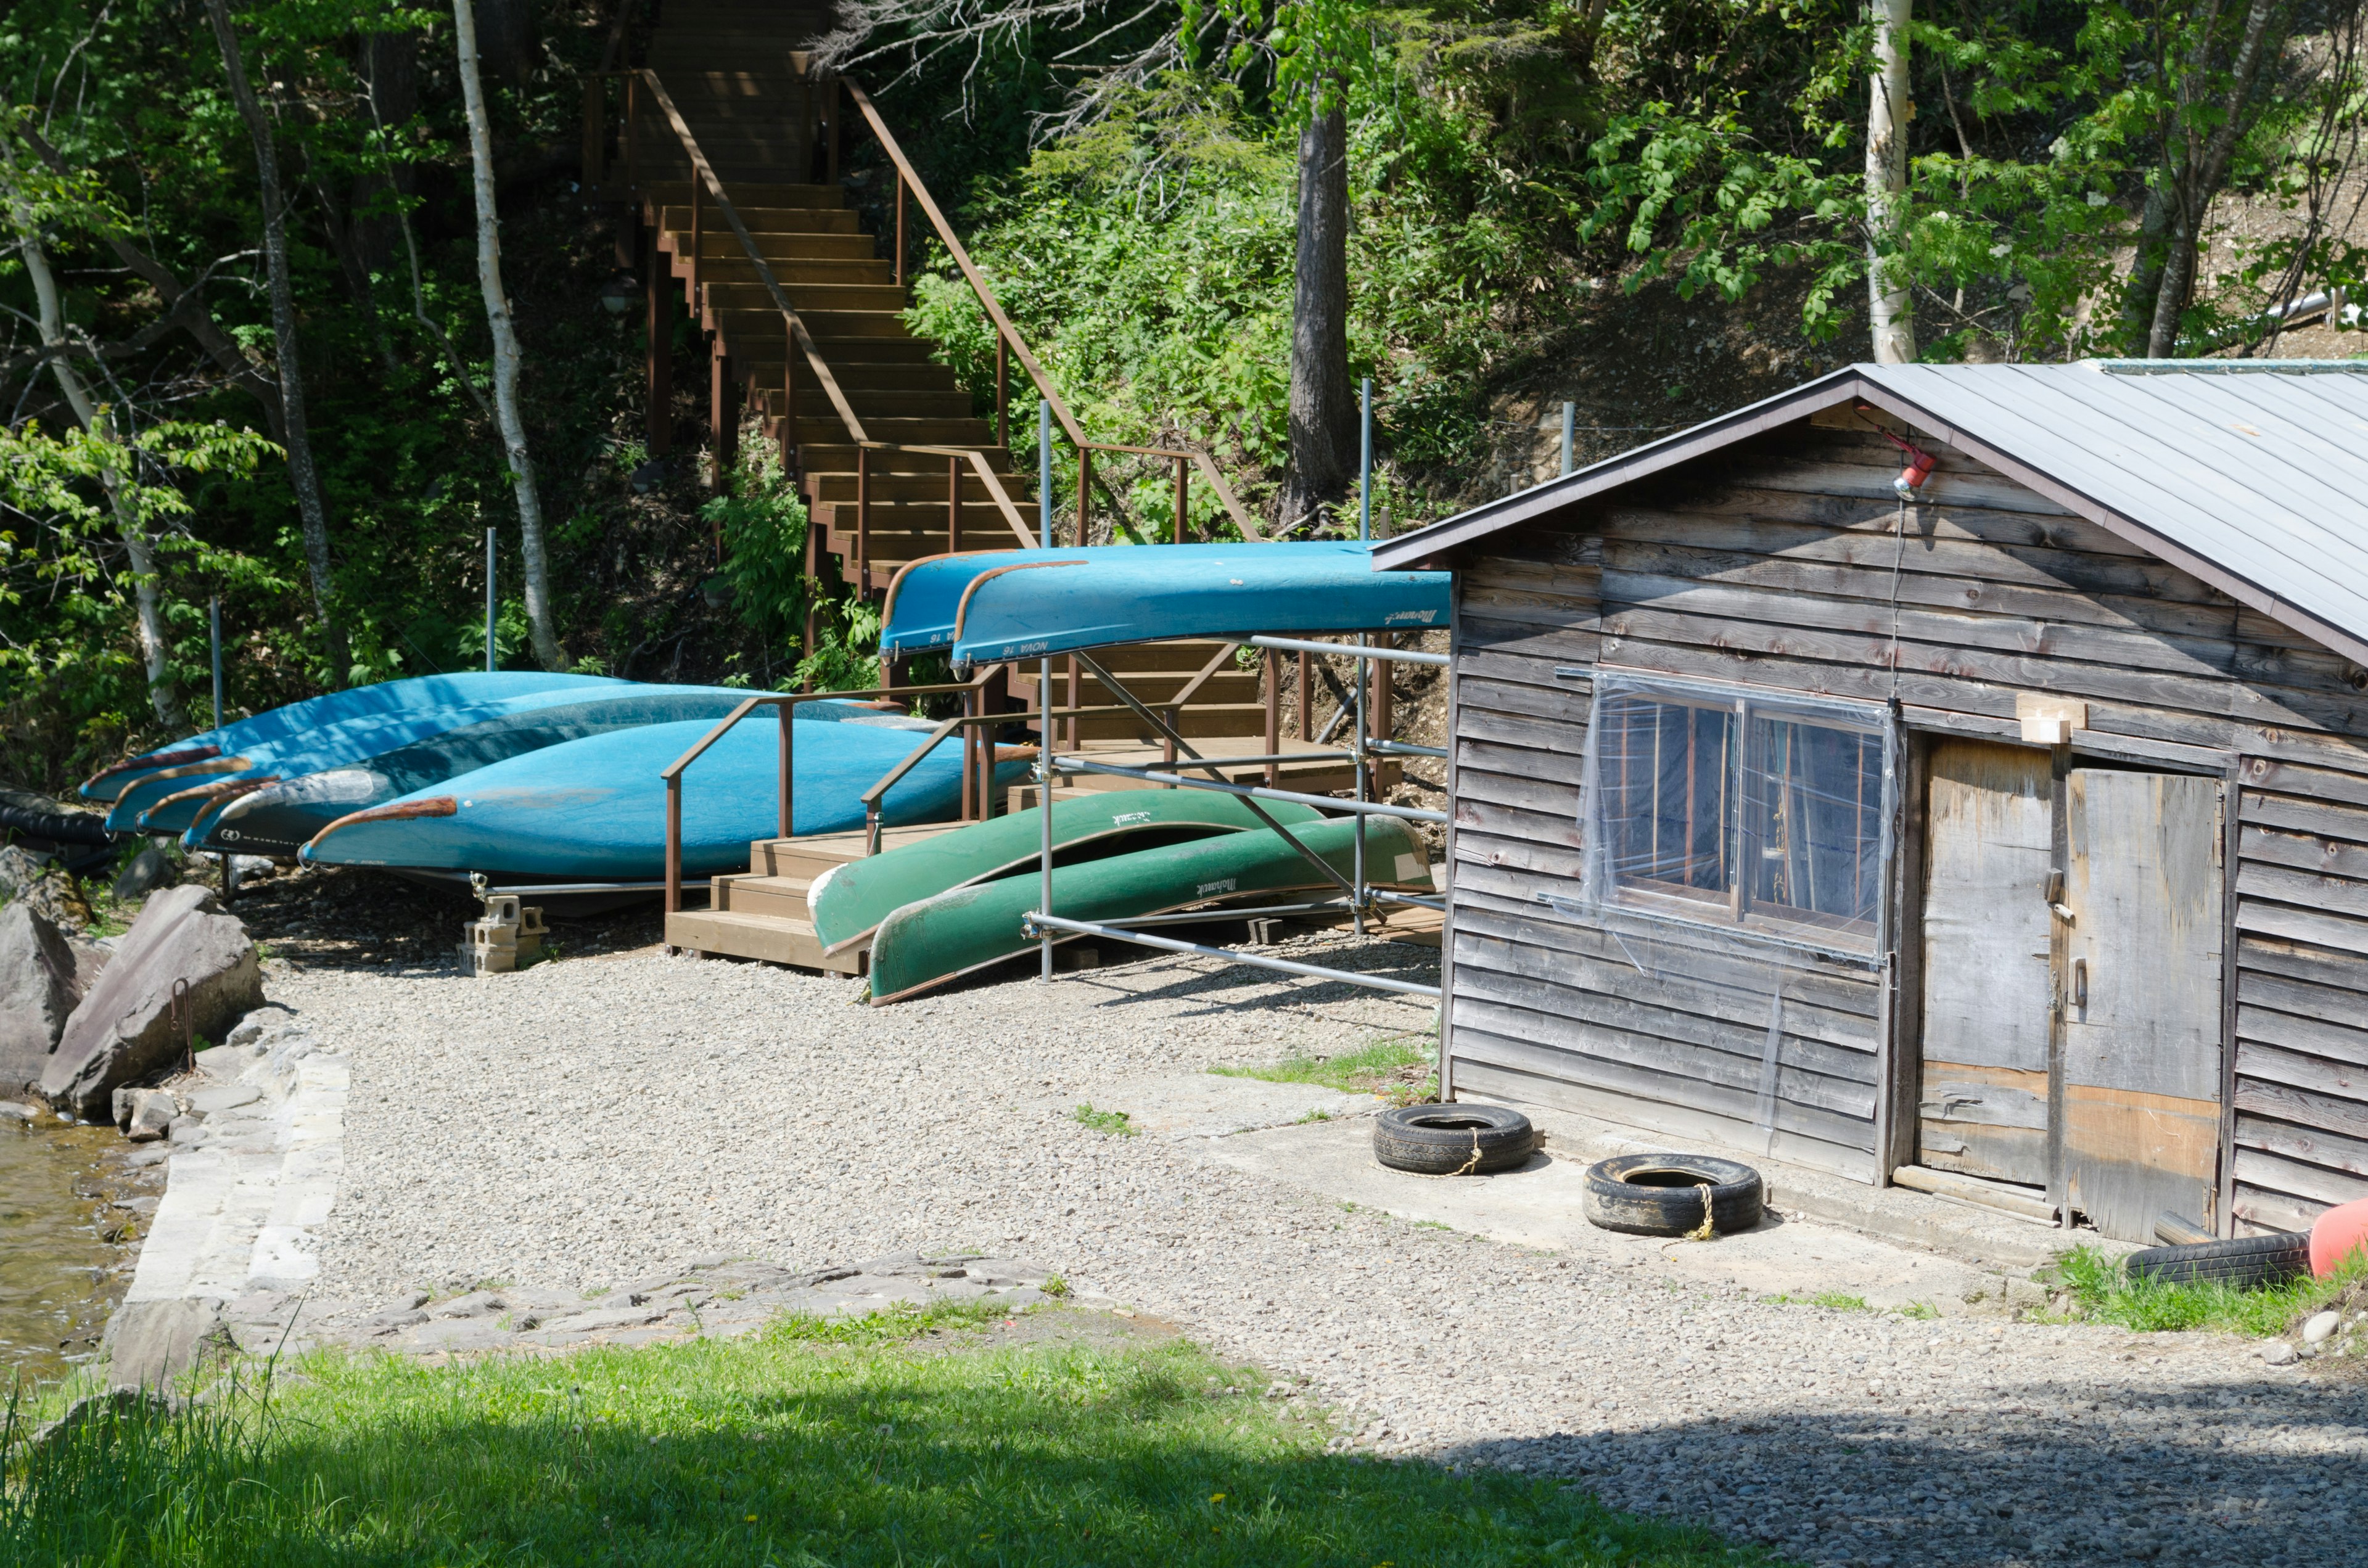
2080	983
2055	903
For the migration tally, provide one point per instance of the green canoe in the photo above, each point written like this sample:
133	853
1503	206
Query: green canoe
850	900
937	939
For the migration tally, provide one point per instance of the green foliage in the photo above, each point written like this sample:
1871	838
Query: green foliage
843	1448
1117	1123
2101	1291
763	527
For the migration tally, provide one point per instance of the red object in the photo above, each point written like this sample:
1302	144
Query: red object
1918	470
2337	1234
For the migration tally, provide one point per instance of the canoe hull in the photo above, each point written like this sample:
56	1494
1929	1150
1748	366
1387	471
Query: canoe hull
926	944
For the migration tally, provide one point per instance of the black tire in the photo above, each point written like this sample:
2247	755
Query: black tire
2244	1262
1453	1139
1661	1195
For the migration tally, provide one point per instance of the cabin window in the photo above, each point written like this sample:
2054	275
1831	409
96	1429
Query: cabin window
1740	812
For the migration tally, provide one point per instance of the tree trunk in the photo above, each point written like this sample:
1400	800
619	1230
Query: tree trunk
1890	308
506	346
298	438
95	419
1323	407
2199	180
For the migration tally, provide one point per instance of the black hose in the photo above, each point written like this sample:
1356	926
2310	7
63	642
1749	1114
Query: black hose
56	827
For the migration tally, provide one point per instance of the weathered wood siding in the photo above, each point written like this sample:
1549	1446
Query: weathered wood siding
1782	564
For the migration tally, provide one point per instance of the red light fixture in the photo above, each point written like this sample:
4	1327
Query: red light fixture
1921	464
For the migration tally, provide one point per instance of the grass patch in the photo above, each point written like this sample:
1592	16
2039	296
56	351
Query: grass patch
1404	1067
1921	1311
2091	1287
1832	1300
847	1449
1117	1123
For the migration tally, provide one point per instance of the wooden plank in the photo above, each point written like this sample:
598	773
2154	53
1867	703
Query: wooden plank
2264	919
2131	1155
1673	1006
1687	1067
2310	1000
1689	1126
1498	665
1709	960
1481	1040
1878	584
1520	576
2273	1172
1495	849
2320	966
1989	841
2306	852
2348	785
2338	895
2315	816
2317	1036
2325	1113
1482	632
2312	1145
1545	796
1984	1121
2300	1070
1568	702
2209	658
1517	760
2274	1211
1548	739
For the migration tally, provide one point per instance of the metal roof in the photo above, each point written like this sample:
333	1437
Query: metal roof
2251	474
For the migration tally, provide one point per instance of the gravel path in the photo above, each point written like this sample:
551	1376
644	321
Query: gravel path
599	1119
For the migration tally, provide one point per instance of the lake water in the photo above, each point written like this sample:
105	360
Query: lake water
66	1251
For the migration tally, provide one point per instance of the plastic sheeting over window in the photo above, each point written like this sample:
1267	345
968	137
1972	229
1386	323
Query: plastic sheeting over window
1732	809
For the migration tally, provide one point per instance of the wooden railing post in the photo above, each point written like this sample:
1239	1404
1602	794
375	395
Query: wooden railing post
1085	477
659	389
900	227
1273	674
633	133
862	521
954	505
786	817
790	405
1306	703
1181	470
1002	390
830	158
969	759
814	562
674	845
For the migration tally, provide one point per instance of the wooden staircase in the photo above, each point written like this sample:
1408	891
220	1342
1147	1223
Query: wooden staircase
928	474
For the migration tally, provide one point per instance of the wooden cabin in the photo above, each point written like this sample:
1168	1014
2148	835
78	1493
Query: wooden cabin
1955	775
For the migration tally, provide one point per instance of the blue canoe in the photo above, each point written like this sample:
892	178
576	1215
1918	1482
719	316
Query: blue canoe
385	698
169	800
1019	603
595	809
275	811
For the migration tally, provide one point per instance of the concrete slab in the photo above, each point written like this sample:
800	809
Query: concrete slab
1212	1104
1537	1206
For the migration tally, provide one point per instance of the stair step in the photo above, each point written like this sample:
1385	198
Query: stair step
786	231
832	465
781	897
768	937
746	193
735	268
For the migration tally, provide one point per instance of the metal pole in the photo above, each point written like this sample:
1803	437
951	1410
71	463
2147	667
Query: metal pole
1364	683
1044	473
1365	461
1569	430
1044	787
489	601
214	634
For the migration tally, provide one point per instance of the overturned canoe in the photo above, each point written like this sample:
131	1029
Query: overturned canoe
926	944
848	901
595	809
277	811
384	697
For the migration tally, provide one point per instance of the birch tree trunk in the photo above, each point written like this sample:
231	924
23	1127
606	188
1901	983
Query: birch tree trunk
1323	408
297	433
95	419
506	346
1890	310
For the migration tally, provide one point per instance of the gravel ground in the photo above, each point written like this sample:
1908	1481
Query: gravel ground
599	1119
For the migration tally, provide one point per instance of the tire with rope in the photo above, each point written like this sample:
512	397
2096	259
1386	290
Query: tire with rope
1453	1140
1673	1195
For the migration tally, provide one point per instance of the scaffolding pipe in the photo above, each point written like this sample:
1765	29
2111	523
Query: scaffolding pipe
1255	791
1365	460
1045	924
1044	764
1569	432
1349	651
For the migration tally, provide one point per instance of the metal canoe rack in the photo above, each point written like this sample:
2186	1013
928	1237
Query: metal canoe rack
1359	895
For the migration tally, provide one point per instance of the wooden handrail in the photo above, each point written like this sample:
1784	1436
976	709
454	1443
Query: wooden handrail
704	172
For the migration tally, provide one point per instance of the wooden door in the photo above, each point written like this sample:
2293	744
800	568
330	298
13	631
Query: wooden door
1990	835
2141	1103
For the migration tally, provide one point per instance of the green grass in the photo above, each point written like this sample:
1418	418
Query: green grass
846	1445
2102	1292
1402	1066
1117	1123
1832	1300
1921	1311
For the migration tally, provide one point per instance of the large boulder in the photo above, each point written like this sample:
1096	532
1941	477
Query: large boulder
124	1031
39	989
